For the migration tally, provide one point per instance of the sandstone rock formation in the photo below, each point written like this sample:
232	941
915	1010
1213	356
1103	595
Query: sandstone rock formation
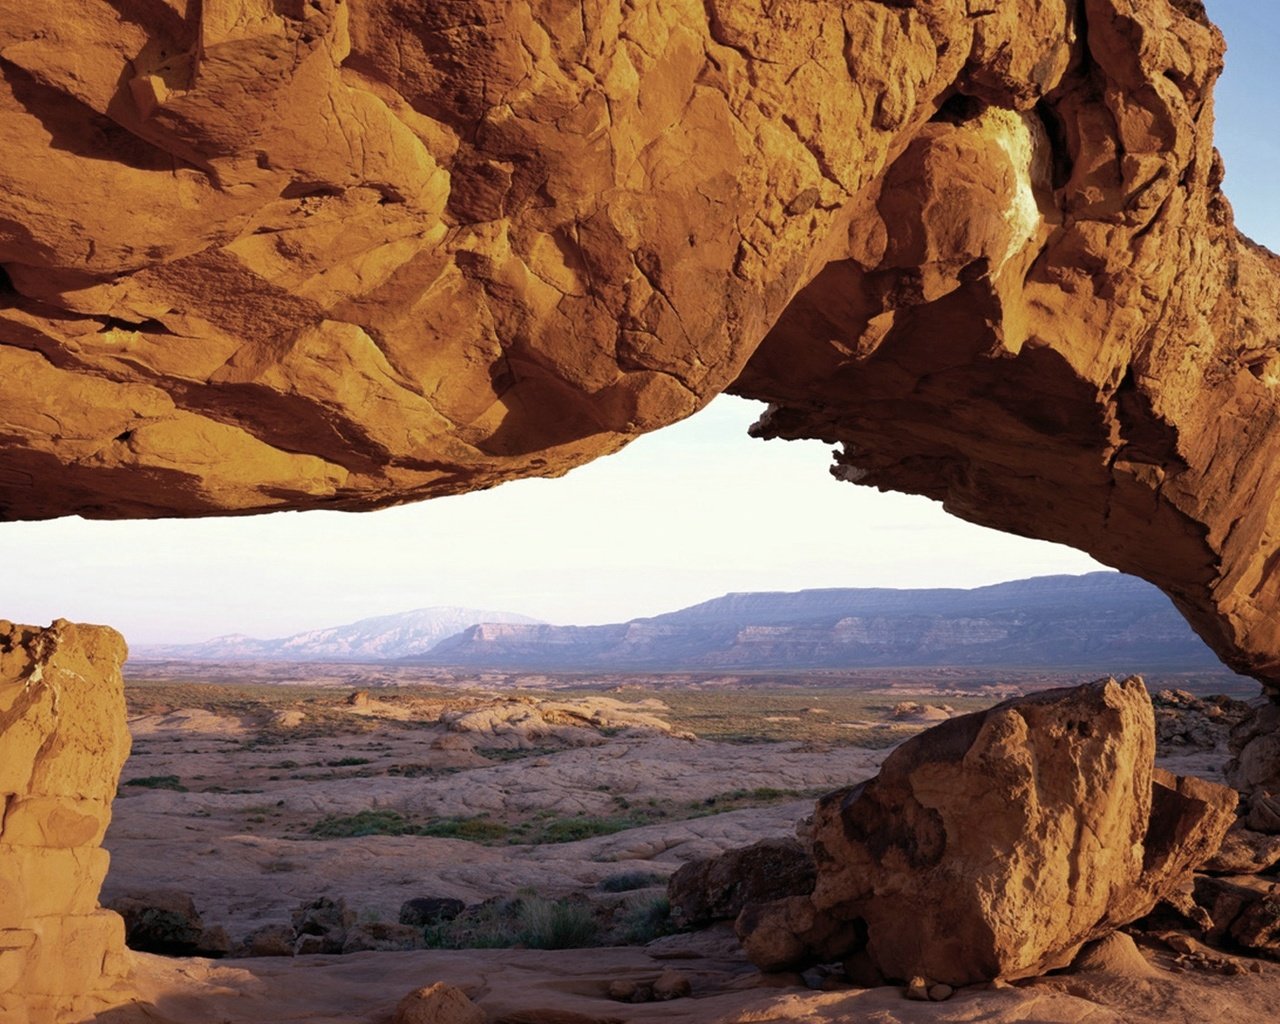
64	741
273	254
994	845
1254	768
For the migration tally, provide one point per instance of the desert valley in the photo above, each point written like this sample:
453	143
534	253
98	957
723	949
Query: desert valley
575	846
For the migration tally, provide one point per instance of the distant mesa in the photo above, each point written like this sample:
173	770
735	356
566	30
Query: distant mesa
1100	621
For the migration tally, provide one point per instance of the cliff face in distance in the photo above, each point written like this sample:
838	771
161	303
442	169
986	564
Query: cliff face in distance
1082	623
268	254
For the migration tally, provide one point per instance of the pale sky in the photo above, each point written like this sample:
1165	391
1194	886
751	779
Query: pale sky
680	516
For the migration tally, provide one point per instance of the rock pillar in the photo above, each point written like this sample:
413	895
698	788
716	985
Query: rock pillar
63	742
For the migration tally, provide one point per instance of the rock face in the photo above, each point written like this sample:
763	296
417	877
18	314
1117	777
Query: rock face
62	731
996	844
271	254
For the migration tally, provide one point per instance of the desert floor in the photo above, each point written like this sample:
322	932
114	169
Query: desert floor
242	796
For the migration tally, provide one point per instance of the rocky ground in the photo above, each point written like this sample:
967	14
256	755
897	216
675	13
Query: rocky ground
254	810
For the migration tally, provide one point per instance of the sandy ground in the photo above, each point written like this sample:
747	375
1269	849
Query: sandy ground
536	987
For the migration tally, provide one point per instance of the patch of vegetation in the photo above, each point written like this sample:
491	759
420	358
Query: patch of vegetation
477	830
630	880
158	782
646	920
570	830
527	920
362	823
556	924
347	762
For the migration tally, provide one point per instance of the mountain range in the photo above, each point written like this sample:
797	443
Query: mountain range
382	638
1104	621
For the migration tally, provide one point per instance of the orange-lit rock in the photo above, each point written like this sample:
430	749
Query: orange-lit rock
996	844
265	255
62	731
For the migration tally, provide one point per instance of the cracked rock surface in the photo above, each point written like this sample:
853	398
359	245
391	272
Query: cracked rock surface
268	254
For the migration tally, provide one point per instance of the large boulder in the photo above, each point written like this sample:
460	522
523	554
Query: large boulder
996	844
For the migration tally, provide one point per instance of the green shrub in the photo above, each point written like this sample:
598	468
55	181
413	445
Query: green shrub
363	823
477	830
570	830
631	880
646	920
158	782
559	924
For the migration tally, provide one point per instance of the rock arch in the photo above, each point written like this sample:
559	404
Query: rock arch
267	254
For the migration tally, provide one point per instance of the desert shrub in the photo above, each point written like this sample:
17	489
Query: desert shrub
158	782
570	830
629	880
527	920
477	830
556	924
393	823
362	823
646	920
347	762
490	925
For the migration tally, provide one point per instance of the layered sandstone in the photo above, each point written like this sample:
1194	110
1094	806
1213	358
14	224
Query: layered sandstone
263	254
62	731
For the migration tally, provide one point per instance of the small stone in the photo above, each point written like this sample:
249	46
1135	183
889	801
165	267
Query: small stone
426	910
622	990
1179	943
940	992
918	989
270	940
672	985
643	993
437	1004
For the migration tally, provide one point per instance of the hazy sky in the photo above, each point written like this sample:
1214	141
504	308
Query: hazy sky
680	516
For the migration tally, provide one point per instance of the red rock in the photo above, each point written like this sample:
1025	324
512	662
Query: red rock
255	264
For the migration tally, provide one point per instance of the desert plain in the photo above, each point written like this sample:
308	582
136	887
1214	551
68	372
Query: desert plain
555	809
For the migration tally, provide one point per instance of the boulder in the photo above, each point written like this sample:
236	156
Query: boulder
1244	851
1244	910
1254	768
427	910
996	844
437	1004
1185	721
381	935
321	925
790	933
166	921
717	888
270	940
